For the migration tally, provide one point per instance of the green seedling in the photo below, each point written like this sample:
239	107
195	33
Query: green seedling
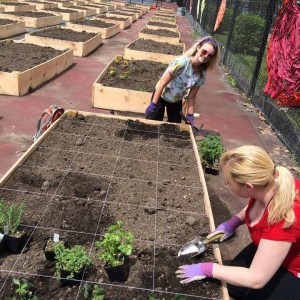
115	244
71	260
22	290
95	293
179	297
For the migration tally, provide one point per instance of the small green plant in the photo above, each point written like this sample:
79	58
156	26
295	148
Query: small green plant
231	80
115	244
11	216
211	149
195	34
124	75
95	293
71	260
22	290
179	297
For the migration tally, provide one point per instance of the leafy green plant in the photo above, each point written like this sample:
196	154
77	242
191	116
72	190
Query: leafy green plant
70	260
211	149
95	293
115	244
179	297
11	216
23	290
195	34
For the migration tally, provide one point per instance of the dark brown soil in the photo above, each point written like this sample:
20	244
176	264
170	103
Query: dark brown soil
80	7
161	19
65	34
63	10
112	18
160	32
161	24
29	55
30	14
140	75
6	21
164	15
12	3
81	179
124	13
94	23
156	47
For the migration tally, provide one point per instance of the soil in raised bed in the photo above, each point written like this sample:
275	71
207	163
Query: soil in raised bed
93	23
161	24
30	14
6	21
122	13
156	47
139	75
62	10
65	34
12	3
160	32
161	19
85	198
28	55
80	7
112	18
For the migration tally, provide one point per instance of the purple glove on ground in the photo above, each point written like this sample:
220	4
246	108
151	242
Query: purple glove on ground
228	228
195	272
190	119
151	108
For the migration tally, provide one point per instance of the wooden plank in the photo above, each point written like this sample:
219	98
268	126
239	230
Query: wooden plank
9	30
139	55
12	8
106	32
42	5
118	99
76	15
79	48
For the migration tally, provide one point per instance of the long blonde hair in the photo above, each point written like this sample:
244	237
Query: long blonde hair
211	64
252	164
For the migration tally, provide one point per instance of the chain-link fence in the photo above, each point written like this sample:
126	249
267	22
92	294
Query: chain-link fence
243	37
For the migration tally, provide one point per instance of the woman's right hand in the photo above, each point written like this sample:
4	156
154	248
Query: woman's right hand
151	108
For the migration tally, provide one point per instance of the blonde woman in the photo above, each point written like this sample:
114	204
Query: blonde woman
184	73
268	268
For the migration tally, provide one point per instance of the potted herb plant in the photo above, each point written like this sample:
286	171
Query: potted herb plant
210	149
11	216
70	263
49	246
24	290
114	251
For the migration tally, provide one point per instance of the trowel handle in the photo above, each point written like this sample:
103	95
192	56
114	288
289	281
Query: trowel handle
215	238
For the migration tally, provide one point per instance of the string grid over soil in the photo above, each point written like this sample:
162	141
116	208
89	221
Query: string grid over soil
160	32
139	75
29	55
65	34
156	47
87	174
94	23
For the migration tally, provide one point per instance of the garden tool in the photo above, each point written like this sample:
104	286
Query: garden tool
195	129
197	246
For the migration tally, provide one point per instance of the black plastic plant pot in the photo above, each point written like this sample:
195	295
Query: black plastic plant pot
14	244
49	251
211	170
118	273
72	281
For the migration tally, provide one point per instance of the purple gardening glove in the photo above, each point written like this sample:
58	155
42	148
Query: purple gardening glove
151	108
228	228
195	272
190	119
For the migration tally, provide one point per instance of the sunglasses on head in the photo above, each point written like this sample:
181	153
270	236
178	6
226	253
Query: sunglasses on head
206	53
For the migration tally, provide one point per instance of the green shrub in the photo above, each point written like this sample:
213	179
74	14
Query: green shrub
23	290
248	32
115	244
210	149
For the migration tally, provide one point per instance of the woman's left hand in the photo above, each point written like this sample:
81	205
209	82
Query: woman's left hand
190	119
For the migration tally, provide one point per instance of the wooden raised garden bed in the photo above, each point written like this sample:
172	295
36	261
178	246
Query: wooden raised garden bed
126	85
62	3
122	22
16	6
89	171
33	19
119	13
10	28
138	14
87	11
81	42
42	5
66	13
35	65
162	25
152	50
93	25
163	20
160	35
107	6
99	9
